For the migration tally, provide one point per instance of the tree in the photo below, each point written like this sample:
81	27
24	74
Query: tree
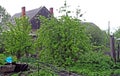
4	17
94	32
66	11
62	40
17	40
117	33
97	36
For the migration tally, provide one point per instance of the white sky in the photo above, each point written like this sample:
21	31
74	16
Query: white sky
97	11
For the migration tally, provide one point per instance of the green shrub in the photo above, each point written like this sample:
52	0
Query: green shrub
116	71
96	61
63	42
17	40
43	73
28	60
2	59
93	64
14	58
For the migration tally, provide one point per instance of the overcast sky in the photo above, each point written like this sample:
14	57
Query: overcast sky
97	11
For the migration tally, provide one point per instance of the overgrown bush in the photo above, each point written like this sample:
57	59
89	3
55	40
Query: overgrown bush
96	59
93	64
17	40
62	40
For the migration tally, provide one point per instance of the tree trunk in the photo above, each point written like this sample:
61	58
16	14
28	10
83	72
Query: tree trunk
18	55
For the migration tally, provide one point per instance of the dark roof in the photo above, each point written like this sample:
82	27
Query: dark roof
90	24
31	13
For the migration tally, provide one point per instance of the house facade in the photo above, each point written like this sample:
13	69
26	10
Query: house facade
33	15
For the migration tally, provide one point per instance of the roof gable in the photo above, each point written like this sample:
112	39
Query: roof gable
32	13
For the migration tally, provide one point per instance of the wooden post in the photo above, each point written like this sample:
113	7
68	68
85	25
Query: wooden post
118	51
112	47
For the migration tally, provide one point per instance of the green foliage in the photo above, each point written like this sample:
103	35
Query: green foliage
43	72
117	33
2	59
27	60
1	43
96	59
66	11
62	40
17	40
95	33
99	39
5	16
93	64
14	58
116	72
88	72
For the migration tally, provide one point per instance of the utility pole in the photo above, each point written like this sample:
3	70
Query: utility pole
109	28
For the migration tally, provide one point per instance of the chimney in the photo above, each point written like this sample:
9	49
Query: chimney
51	11
23	11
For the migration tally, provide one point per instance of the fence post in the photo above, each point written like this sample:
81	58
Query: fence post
118	51
112	47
